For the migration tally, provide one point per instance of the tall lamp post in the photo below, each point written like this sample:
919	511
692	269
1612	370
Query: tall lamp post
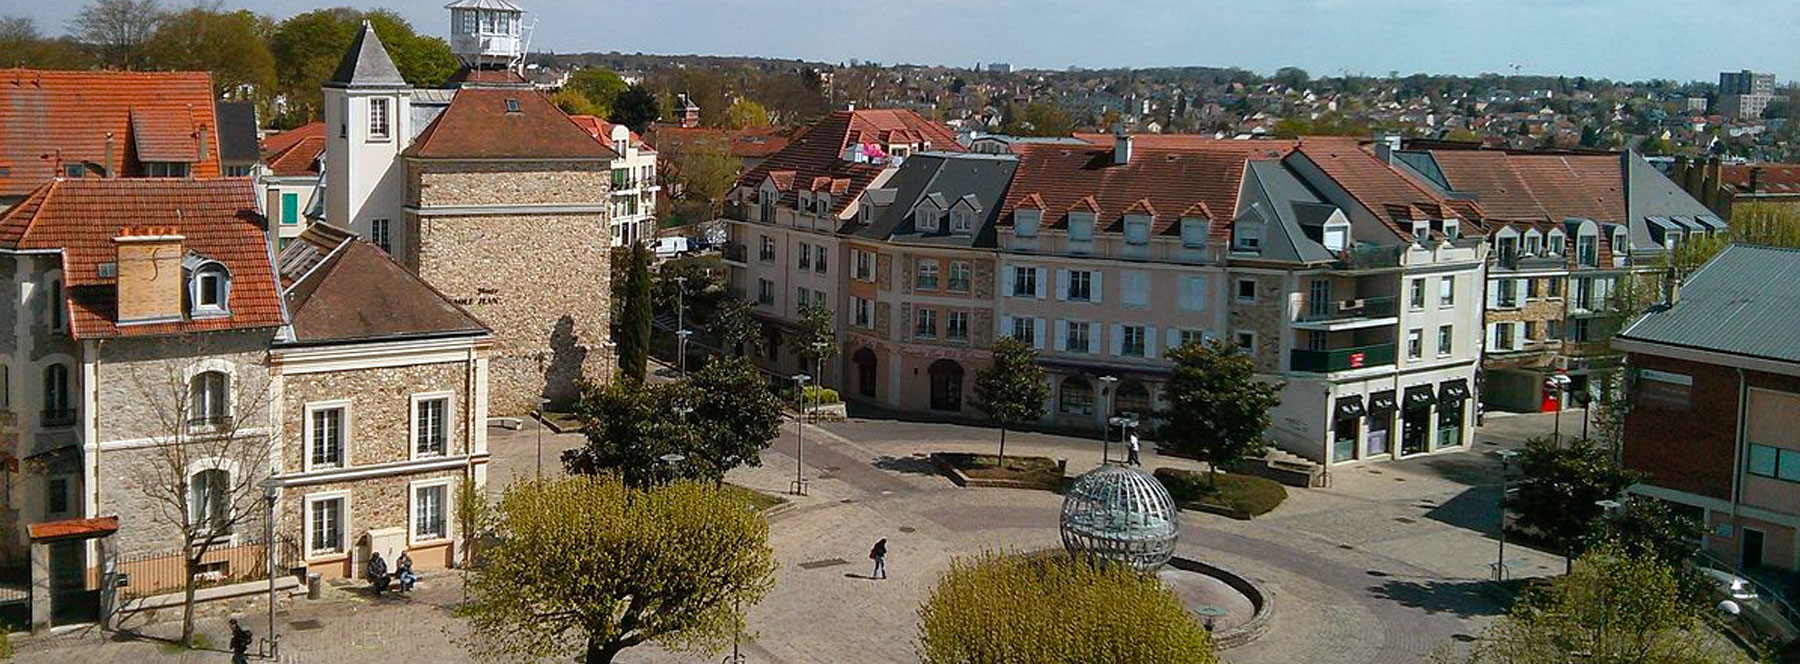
681	343
1107	384
1506	457
271	491
799	487
542	404
1561	383
681	331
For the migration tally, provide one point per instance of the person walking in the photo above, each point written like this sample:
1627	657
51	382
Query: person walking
1133	459
240	643
879	555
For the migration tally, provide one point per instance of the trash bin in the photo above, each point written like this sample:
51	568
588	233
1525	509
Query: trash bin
315	585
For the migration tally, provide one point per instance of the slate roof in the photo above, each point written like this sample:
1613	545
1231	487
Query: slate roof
237	133
483	4
366	64
342	289
217	218
50	117
1289	209
946	178
480	124
818	151
1741	302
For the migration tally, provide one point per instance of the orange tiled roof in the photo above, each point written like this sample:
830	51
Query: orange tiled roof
754	143
80	217
295	152
1779	179
52	117
95	527
480	124
1393	197
1548	186
601	130
818	151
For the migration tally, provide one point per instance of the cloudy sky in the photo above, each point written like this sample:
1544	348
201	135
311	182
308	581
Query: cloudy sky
1621	39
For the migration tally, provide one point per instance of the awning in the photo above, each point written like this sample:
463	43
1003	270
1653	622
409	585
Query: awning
1350	407
1452	391
1419	397
1382	403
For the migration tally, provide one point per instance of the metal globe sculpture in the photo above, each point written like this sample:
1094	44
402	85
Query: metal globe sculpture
1121	515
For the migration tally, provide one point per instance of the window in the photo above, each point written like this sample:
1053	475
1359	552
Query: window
956	326
1531	289
325	525
765	292
819	259
211	290
1506	249
925	220
1134	288
56	498
1776	462
54	303
165	169
1131	341
1025	282
928	276
1193	293
767	253
1451	229
860	311
1531	330
1446	338
1418	294
1446	291
1533	244
1587	250
1504	338
818	299
1081	285
327	437
74	170
1191	337
1193	233
802	295
380	235
430	433
959	276
208	399
865	213
1337	238
1553	243
1553	330
926	326
56	396
1584	293
1025	330
803	256
1081	226
1246	290
1076	397
209	501
429	522
765	207
1507	293
1415	344
290	208
962	221
487	21
1318	298
378	117
1246	341
1421	230
1137	230
864	264
1247	237
1025	223
1077	340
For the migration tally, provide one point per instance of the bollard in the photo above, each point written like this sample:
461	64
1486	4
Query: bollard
1062	465
315	585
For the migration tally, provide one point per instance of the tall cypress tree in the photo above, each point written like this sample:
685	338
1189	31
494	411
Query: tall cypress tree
634	327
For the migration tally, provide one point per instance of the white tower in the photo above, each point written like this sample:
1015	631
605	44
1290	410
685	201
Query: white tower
484	34
368	108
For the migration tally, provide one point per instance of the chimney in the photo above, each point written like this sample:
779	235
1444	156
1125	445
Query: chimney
851	107
1678	170
1121	147
149	268
1690	177
1671	288
1755	179
109	156
1709	188
1386	145
205	145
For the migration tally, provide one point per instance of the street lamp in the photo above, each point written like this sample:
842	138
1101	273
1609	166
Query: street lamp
1584	398
543	403
681	331
271	491
1559	382
1506	457
799	487
681	342
1106	390
670	460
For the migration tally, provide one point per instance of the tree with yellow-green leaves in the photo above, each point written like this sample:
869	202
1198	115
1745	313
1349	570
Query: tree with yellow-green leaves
585	565
1007	609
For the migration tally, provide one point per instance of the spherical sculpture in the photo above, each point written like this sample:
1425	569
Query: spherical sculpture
1121	515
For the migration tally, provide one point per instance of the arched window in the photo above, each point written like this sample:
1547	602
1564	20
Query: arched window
1134	398
1076	396
209	290
208	399
56	396
209	502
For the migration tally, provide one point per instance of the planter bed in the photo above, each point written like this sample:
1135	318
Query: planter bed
983	470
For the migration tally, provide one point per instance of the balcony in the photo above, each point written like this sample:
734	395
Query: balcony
1349	314
1370	257
733	253
1341	359
56	417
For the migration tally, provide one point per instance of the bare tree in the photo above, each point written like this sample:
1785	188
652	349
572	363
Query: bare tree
211	445
119	28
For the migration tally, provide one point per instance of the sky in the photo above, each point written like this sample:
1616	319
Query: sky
1619	39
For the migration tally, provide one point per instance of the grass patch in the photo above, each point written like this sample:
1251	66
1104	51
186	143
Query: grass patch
201	642
1034	471
562	421
1246	494
761	501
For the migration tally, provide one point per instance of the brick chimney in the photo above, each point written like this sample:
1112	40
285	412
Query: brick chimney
1121	146
149	266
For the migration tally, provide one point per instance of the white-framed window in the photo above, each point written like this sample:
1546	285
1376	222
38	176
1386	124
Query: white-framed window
927	278
1534	243
1337	237
956	326
209	399
1246	290
1081	226
962	221
1185	337
1024	328
1554	243
378	117
865	212
1587	250
431	424
381	233
1081	286
1415	344
803	256
925	220
1193	233
802	295
1452	229
765	292
1447	290
767	252
1246	341
1131	340
1137	230
1446	339
1421	230
1078	339
211	285
864	264
327	435
327	523
926	326
430	510
1025	282
1417	298
1025	222
1134	288
209	501
860	311
959	277
1193	292
1247	236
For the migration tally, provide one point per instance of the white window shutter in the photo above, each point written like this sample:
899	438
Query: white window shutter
1098	288
1062	335
1116	340
1493	335
1037	332
1093	330
1493	292
1150	342
1173	340
1012	278
1041	279
1062	283
1006	327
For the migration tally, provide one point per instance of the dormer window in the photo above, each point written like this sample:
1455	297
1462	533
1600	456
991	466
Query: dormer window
1534	242
1025	222
1248	236
1337	237
1587	250
209	290
1553	243
1081	226
925	220
378	117
1421	230
806	201
865	212
1620	246
1137	230
822	204
1452	229
1193	233
962	221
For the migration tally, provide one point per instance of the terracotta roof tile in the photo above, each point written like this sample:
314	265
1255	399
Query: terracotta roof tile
1391	196
1165	173
818	152
1778	179
295	152
1548	186
754	143
47	115
481	123
601	130
95	527
216	217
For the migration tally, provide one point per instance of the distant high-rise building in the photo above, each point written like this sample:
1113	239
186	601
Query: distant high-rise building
1744	94
999	68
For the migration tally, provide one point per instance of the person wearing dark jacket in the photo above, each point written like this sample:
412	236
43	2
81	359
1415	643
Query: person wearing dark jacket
403	570
879	555
378	572
240	643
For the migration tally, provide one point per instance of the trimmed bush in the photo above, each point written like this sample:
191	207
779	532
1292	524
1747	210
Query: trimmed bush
1241	493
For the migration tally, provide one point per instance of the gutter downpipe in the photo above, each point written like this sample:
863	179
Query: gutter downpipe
1737	453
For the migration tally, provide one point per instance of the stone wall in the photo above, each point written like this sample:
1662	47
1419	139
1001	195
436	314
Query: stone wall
444	183
1264	317
380	410
136	485
375	503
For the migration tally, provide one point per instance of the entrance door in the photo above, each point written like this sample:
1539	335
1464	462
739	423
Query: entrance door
1753	548
946	386
1415	426
1379	426
70	600
865	372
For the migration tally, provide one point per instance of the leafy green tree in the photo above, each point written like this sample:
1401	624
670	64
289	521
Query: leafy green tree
686	286
574	103
1005	609
745	114
119	29
1645	526
816	339
1613	606
22	45
634	325
636	108
629	427
308	47
734	324
1013	389
598	86
703	177
735	417
1039	118
1218	410
1560	488
228	44
589	566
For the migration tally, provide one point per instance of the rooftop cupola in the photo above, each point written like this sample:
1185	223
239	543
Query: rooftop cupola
485	34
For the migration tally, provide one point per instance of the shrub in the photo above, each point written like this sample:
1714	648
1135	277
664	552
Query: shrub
1245	493
813	394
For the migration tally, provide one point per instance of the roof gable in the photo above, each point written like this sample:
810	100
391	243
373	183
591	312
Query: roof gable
350	291
481	123
50	118
366	64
